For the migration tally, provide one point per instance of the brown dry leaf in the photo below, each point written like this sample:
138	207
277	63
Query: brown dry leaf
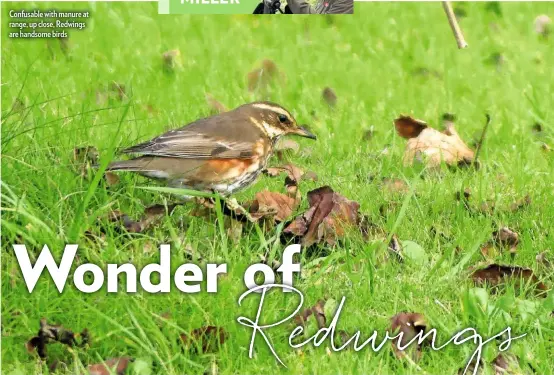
262	77
329	96
431	146
317	311
521	203
543	25
269	203
110	366
410	324
49	333
505	363
503	238
215	106
496	274
328	218
171	60
208	338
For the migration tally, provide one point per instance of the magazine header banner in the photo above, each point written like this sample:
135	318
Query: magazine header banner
207	6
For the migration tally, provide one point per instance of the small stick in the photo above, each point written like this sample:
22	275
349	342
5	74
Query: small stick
454	25
482	139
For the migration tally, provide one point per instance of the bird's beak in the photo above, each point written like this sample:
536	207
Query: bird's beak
303	132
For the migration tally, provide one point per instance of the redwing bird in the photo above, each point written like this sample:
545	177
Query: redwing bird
223	153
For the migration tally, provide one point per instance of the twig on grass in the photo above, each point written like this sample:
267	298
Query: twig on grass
482	139
454	25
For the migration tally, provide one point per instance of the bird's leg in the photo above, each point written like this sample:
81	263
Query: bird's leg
234	206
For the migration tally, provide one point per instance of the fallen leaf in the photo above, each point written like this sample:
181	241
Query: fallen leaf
521	203
317	311
269	203
171	60
329	96
430	146
110	366
409	324
505	364
208	338
328	218
496	274
262	77
543	25
215	106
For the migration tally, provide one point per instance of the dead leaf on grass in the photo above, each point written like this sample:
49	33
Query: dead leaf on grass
317	311
261	78
329	96
327	220
110	366
409	324
496	274
543	25
503	238
430	146
172	60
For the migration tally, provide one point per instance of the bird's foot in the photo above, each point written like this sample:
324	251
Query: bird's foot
234	206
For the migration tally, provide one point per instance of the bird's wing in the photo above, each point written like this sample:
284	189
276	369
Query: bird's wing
211	138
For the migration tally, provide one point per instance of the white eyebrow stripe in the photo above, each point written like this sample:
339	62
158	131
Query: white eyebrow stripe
279	110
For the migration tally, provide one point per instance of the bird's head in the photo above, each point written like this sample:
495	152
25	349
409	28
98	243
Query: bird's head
276	121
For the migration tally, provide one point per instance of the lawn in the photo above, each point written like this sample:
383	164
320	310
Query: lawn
385	60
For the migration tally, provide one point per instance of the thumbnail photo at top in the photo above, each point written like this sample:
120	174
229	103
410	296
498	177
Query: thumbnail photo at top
190	188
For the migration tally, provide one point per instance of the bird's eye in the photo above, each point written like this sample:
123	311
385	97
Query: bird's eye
283	118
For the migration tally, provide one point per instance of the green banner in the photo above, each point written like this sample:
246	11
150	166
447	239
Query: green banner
207	6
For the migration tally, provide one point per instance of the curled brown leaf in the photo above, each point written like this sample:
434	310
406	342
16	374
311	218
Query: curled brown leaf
409	324
430	146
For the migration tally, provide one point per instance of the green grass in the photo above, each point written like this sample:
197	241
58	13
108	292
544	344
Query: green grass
369	60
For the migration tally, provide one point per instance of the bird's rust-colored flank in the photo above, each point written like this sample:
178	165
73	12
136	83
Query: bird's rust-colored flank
222	153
